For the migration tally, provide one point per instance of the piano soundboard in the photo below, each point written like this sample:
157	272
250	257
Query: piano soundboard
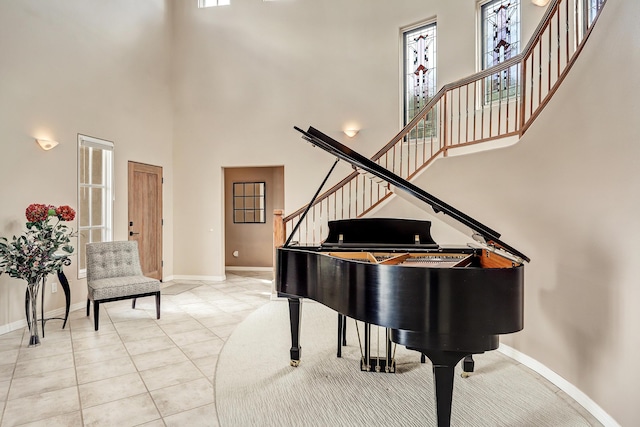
435	260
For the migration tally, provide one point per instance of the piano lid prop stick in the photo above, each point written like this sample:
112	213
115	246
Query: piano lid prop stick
295	229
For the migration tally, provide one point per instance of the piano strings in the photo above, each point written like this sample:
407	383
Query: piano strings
444	260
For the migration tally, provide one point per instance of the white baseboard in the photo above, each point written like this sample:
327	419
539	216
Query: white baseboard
10	327
564	385
207	278
58	312
240	268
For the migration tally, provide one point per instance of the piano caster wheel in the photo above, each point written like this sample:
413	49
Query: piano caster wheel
464	374
294	363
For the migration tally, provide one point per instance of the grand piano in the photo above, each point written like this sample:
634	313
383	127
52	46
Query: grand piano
448	303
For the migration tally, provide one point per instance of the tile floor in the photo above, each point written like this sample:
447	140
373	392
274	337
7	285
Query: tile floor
135	370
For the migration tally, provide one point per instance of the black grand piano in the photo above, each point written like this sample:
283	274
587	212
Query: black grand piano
445	302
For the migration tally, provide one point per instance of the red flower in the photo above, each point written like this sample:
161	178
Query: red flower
37	212
65	213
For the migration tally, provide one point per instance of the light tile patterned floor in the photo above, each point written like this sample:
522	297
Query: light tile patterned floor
135	370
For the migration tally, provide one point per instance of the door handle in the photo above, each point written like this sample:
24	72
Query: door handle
131	233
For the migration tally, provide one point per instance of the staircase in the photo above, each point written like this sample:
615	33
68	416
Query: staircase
470	111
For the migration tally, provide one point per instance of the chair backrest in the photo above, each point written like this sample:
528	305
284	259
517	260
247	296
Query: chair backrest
112	259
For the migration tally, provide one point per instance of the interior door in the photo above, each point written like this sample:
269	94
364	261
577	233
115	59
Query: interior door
145	215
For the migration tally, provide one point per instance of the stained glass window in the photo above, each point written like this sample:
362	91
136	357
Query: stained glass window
592	6
500	42
419	69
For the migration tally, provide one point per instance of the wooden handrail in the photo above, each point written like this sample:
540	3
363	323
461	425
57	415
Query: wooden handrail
451	111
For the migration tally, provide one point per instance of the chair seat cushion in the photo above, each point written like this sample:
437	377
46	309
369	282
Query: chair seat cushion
115	287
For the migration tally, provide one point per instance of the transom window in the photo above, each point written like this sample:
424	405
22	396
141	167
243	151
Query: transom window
419	68
212	3
500	24
95	194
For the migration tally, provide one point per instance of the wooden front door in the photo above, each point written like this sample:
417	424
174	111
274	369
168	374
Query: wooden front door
145	215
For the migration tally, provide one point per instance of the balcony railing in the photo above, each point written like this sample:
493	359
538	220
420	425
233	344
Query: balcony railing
495	103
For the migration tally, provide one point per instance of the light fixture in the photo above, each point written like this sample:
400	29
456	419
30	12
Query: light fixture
351	132
46	144
541	3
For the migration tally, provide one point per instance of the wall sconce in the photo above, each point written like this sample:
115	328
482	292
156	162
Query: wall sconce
541	3
351	132
46	144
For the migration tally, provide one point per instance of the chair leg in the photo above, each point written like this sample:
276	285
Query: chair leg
157	305
133	303
340	321
96	313
88	305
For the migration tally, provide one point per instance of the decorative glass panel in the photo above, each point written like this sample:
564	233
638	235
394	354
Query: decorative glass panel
500	42
592	6
249	202
419	69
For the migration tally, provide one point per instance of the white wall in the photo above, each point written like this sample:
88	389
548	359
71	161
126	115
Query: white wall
79	66
564	196
245	74
567	196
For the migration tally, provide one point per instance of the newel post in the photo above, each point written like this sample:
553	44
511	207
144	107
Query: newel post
279	234
278	228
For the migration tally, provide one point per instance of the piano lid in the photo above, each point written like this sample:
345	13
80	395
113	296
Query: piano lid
480	232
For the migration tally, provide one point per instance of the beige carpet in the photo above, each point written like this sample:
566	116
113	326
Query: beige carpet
255	386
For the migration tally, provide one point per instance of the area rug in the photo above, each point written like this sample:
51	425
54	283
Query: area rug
256	386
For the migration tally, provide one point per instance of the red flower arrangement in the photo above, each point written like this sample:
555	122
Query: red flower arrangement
44	248
37	212
65	213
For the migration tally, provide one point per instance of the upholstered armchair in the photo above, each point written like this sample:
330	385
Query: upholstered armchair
114	273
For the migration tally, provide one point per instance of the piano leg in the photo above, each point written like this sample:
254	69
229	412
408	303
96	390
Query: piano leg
295	311
365	364
444	363
342	332
467	366
390	365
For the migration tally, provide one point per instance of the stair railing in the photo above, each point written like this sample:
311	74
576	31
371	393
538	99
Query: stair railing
499	102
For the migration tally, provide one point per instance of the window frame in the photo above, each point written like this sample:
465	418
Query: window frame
108	194
213	3
257	200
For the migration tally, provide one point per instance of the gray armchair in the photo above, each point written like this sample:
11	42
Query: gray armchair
114	273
